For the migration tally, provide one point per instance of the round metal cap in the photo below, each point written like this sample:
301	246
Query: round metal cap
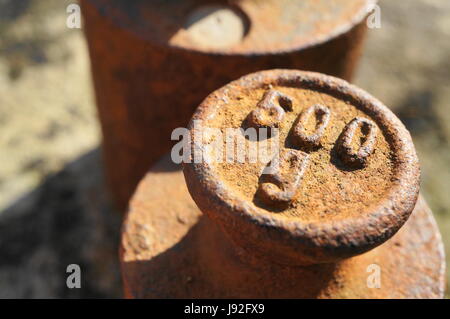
301	167
236	27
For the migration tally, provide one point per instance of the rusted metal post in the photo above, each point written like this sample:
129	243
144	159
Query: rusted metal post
154	61
339	216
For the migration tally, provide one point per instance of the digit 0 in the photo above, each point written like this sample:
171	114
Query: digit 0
357	156
300	136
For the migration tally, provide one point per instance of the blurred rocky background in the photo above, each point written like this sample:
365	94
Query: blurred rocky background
54	210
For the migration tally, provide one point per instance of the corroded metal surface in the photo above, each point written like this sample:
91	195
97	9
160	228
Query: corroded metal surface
170	250
342	202
154	61
348	177
270	26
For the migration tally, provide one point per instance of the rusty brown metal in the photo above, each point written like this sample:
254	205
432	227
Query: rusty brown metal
303	231
154	61
335	208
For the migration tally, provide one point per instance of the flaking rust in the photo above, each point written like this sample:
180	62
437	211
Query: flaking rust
154	61
342	202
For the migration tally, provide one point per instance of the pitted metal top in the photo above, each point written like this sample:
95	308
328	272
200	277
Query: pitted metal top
236	27
345	177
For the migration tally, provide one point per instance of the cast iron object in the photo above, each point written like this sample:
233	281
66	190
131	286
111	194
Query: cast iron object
348	213
154	61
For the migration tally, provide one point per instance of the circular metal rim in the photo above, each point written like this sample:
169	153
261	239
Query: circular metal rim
335	33
341	238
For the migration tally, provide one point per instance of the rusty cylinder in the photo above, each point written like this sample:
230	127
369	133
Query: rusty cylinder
338	216
154	61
